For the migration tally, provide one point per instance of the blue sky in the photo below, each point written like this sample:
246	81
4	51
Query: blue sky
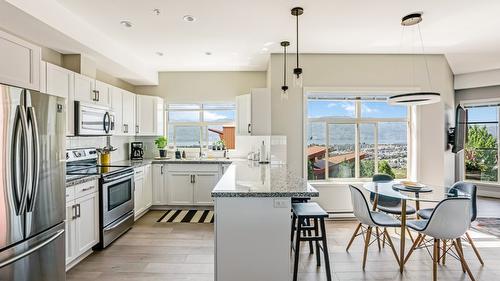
481	114
325	108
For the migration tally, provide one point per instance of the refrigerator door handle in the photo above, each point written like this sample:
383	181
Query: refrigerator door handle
21	199
31	250
36	158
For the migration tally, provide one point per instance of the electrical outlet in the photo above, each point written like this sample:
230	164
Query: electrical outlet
282	203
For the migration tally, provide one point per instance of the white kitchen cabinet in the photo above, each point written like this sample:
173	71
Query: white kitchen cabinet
82	220
253	113
116	104
60	82
128	113
204	183
159	184
103	92
138	190
20	62
87	223
149	115
180	188
85	89
147	198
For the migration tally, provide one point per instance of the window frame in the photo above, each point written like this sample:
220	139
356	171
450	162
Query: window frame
202	124
356	120
482	102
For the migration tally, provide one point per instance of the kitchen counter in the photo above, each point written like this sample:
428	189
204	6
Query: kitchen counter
132	163
252	215
79	180
250	179
192	161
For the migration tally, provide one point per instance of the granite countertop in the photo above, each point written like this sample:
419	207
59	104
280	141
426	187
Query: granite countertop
250	179
132	163
193	161
80	179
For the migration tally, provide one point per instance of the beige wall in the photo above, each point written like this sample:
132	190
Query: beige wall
52	56
214	86
435	164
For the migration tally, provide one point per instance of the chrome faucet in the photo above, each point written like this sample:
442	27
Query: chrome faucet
200	154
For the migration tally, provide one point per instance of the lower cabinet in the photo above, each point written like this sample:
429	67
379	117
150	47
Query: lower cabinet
143	191
184	184
82	219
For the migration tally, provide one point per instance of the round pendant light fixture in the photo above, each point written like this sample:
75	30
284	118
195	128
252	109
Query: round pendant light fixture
297	71
416	98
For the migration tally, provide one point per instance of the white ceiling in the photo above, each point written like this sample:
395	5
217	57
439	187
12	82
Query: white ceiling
236	31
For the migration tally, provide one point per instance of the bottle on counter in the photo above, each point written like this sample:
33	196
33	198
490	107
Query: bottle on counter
183	154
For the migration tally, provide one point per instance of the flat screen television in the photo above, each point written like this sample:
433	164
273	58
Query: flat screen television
458	134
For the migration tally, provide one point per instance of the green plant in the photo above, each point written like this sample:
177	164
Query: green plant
385	168
481	153
161	142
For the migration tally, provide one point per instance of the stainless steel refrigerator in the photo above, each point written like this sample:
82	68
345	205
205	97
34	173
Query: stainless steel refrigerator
32	185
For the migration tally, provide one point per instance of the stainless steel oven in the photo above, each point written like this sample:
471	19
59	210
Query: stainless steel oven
117	204
93	120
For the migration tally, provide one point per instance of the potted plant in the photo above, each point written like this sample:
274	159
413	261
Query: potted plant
160	143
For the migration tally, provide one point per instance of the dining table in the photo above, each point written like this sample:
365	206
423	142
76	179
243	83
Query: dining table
397	190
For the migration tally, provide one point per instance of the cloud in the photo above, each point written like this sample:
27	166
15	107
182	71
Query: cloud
349	107
365	108
332	104
211	116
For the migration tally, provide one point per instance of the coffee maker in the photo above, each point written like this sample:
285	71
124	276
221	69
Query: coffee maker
137	151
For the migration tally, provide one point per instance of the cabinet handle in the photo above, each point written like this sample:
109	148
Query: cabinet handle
194	178
249	129
78	211
161	169
88	188
98	96
73	209
136	129
95	95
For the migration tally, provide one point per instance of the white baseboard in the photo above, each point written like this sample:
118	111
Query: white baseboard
78	260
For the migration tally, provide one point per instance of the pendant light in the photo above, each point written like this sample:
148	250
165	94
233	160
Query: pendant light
297	71
284	88
416	98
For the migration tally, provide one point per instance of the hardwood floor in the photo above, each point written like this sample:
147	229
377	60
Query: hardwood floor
184	252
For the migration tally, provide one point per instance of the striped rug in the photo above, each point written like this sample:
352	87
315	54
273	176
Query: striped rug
188	216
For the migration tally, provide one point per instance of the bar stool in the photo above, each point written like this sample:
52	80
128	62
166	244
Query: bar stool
303	213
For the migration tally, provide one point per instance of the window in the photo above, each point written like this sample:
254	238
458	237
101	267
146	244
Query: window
195	125
352	138
481	148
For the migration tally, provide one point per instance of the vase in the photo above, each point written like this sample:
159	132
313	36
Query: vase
163	153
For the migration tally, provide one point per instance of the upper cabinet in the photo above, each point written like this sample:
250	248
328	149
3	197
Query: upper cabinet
116	104
20	62
253	113
103	92
85	88
149	116
128	113
60	82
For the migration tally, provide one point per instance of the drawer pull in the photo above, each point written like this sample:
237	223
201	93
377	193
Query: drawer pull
88	188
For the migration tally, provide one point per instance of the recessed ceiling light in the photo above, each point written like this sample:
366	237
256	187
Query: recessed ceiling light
189	18
156	12
126	23
159	54
208	53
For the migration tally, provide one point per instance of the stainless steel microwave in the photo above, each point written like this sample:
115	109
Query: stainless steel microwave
93	120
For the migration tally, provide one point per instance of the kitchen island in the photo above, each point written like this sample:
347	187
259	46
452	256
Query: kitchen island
253	221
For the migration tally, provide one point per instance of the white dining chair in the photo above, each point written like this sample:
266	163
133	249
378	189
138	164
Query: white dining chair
368	220
448	221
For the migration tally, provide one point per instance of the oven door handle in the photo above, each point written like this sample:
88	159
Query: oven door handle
111	179
118	223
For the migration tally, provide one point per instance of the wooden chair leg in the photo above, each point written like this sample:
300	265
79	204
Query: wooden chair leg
435	259
458	246
469	239
439	250
413	247
383	238
389	240
409	234
353	236
378	238
443	259
367	243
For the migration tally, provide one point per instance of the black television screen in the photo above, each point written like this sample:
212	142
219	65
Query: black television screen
460	132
